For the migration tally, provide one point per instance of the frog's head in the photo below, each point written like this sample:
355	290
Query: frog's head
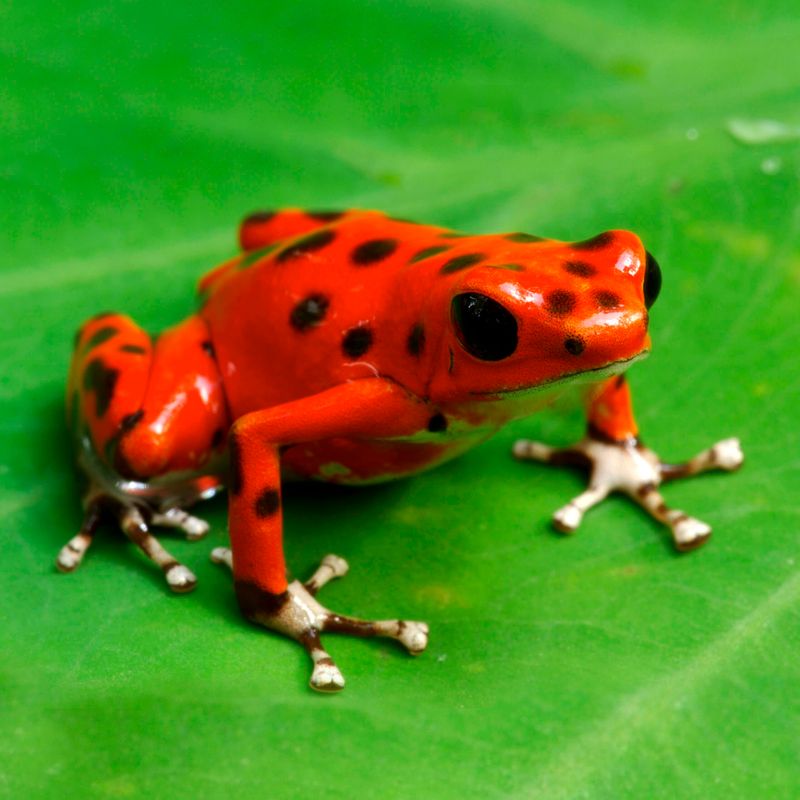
545	312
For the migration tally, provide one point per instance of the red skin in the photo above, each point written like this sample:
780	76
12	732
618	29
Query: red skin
285	386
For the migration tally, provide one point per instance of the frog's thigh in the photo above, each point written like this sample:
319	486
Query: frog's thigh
182	418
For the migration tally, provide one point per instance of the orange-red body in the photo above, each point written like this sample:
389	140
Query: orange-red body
348	348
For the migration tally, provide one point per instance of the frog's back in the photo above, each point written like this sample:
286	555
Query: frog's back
317	299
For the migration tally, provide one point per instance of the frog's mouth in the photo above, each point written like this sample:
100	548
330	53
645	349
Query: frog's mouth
579	376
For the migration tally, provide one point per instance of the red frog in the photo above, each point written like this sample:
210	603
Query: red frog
354	348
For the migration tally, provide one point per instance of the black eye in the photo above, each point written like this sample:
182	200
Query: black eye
484	328
652	280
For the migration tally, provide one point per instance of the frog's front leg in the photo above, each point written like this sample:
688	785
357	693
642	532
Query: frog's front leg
371	408
617	461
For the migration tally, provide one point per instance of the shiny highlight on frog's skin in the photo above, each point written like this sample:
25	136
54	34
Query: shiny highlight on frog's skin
355	348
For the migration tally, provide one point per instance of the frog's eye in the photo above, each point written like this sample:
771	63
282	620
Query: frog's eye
484	328
652	280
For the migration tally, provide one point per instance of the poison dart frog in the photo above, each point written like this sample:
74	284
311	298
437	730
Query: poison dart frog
353	348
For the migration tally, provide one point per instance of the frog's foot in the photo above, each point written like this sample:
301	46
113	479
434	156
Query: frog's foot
133	523
296	613
626	466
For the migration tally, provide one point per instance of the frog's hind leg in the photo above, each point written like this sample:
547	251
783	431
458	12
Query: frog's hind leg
141	470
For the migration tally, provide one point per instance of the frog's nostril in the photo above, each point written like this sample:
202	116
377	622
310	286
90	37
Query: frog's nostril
652	280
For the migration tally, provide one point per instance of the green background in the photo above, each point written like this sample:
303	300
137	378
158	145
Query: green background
135	136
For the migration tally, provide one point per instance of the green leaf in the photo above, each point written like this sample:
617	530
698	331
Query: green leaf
133	139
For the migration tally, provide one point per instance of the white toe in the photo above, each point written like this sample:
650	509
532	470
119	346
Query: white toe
180	578
414	636
326	677
337	564
195	528
525	448
520	448
729	454
568	518
67	559
690	531
222	555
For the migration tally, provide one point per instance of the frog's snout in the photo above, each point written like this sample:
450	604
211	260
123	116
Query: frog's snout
652	279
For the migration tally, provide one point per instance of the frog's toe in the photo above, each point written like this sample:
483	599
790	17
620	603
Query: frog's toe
413	636
725	455
71	554
690	533
728	454
180	578
326	676
194	527
567	518
330	567
222	555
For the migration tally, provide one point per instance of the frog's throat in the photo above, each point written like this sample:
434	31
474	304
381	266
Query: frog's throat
581	376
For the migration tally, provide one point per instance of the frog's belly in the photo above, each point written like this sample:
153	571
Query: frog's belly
353	461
